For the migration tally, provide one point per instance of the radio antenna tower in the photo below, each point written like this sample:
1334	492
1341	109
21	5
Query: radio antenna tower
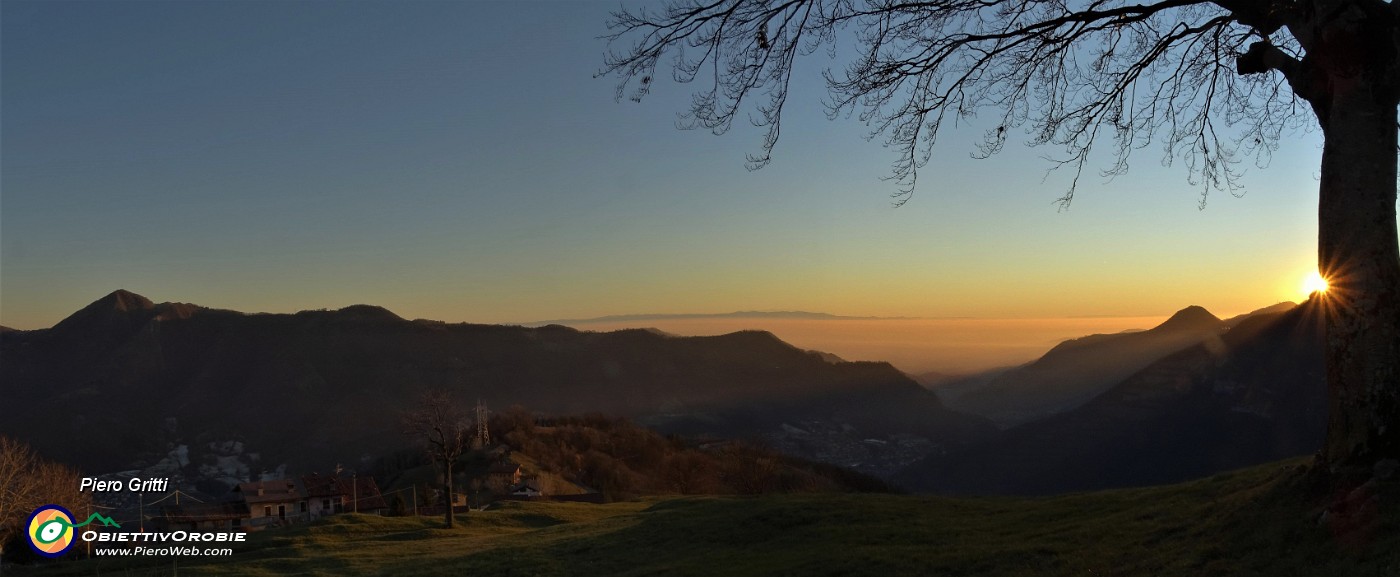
483	435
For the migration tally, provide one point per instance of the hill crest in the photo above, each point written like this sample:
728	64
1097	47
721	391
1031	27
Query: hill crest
1194	317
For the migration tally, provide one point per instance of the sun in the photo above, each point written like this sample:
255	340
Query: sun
1314	283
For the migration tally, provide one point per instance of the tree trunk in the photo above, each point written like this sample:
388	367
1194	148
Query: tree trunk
1358	255
447	490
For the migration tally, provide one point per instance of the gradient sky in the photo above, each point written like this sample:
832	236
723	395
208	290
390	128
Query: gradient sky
458	161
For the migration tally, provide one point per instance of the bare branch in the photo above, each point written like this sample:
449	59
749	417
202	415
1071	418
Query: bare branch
1069	73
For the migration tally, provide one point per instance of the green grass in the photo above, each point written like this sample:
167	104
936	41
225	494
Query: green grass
1251	522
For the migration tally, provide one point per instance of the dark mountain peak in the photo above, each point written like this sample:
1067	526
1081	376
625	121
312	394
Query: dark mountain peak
120	306
1192	318
1077	370
122	300
557	329
369	313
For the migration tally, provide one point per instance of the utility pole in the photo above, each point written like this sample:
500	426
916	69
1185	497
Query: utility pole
414	490
355	490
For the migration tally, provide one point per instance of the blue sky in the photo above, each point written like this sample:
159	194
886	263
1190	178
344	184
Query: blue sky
458	161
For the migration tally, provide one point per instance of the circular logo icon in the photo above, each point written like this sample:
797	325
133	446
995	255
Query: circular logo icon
50	530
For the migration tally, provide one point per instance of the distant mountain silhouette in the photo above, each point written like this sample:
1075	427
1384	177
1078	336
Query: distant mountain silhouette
1282	307
798	315
1077	370
120	382
1255	394
1192	318
113	309
935	379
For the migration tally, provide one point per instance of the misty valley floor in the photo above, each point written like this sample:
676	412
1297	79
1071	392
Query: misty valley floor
1251	522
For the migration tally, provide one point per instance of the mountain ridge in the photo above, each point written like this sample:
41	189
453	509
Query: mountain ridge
1256	394
132	379
798	315
1074	371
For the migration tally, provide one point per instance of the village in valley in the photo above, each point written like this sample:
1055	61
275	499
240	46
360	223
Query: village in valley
272	503
488	473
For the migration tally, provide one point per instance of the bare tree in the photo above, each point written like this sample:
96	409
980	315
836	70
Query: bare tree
1210	82
28	482
441	424
18	485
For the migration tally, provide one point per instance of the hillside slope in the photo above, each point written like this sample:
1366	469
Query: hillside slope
1077	370
621	460
1254	395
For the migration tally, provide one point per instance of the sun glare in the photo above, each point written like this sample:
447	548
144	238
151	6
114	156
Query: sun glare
1314	283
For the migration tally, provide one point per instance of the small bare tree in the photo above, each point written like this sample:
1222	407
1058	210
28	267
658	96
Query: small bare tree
440	423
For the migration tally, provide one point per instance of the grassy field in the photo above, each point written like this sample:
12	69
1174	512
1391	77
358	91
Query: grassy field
1251	522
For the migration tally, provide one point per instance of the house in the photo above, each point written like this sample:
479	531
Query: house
231	516
323	496
527	489
331	494
502	476
361	495
272	502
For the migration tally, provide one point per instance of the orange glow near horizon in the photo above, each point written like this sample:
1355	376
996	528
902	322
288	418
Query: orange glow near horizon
1314	283
951	346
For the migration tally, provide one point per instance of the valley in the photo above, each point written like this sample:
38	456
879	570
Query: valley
212	398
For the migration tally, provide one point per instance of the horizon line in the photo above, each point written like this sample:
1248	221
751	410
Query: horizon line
771	314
